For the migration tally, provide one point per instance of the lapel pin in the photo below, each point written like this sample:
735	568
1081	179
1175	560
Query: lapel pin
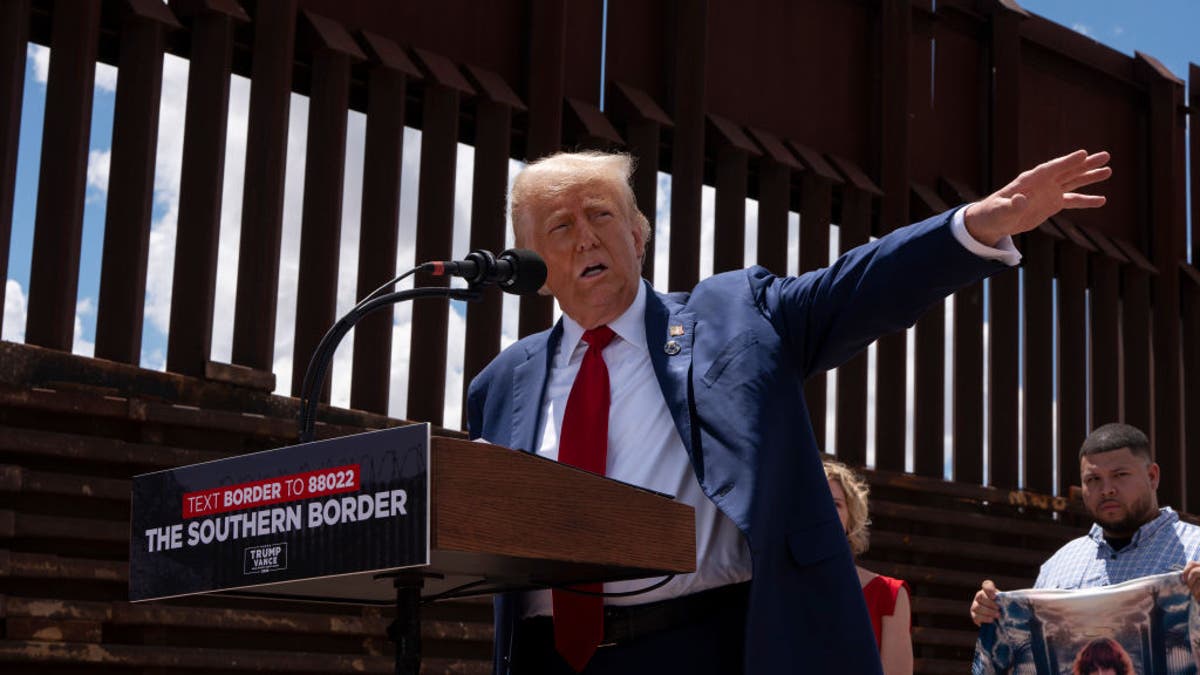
671	348
675	330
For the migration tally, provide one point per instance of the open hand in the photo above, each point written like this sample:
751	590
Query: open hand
1037	194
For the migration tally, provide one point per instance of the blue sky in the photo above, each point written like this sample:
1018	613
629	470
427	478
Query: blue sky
1158	27
1164	29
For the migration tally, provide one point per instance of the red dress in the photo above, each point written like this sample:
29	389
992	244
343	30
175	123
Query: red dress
880	594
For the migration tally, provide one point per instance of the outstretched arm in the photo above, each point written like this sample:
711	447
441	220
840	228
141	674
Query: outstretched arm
1037	194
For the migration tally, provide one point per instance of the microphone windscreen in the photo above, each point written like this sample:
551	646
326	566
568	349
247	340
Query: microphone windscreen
529	271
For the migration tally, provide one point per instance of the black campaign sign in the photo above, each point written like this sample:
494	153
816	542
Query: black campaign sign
335	507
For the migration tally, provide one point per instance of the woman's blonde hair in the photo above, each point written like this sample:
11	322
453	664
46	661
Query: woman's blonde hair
856	491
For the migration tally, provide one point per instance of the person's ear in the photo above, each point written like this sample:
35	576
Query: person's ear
640	225
1153	472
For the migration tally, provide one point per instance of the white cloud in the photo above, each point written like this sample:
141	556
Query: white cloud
106	75
85	307
662	231
160	265
1081	28
1118	30
97	170
15	307
41	62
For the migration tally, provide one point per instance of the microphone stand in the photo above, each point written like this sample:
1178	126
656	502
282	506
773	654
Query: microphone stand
314	376
405	630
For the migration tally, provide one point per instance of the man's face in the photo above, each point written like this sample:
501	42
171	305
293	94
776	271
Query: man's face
592	248
1119	490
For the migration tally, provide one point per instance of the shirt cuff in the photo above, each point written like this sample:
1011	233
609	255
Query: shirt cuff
1005	251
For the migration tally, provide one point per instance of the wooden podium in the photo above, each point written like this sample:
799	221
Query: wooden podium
508	520
494	519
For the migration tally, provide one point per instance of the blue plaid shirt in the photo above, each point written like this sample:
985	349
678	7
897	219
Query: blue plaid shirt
1161	545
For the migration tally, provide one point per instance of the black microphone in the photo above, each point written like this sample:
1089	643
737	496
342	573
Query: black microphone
517	270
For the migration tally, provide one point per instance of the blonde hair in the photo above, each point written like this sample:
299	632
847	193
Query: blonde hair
562	171
856	491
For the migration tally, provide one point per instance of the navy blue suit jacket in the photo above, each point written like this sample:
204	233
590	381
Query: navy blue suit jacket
735	392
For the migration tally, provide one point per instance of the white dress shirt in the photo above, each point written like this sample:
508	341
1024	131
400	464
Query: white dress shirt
644	447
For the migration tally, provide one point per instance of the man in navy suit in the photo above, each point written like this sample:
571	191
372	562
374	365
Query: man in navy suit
706	403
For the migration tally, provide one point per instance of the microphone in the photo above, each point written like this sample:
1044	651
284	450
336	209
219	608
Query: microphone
518	271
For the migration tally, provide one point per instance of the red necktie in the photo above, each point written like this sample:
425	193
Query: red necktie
583	442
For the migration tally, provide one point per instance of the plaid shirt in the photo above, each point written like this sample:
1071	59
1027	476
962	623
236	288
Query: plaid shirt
1159	546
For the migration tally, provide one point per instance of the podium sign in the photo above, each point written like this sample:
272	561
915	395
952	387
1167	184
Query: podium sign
357	505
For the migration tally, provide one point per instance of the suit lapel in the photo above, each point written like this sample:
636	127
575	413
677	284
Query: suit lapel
529	386
663	318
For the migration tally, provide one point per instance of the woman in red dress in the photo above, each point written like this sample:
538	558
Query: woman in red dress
887	598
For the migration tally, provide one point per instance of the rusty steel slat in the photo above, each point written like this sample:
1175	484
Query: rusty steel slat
1191	382
262	191
546	39
929	364
31	526
890	400
1004	52
1038	251
321	215
52	630
643	137
892	163
171	657
1166	210
963	579
74	448
493	129
851	433
816	213
729	226
968	384
62	178
895	22
929	393
435	234
1072	361
690	28
14	39
193	290
585	127
16	565
122	300
1003	364
1135	350
1194	107
644	121
1053	533
382	167
17	479
774	196
1105	328
945	547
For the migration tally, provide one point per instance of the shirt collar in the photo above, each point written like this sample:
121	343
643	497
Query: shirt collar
1166	517
630	327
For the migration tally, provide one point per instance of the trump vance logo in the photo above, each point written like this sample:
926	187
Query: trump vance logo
265	558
